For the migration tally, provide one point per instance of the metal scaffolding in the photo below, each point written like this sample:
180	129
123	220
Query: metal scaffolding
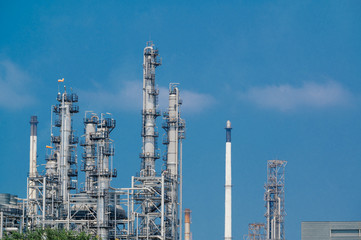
256	231
275	200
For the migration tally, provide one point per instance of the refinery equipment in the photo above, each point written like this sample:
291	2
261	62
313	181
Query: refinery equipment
256	231
150	208
275	200
228	186
12	213
275	205
156	196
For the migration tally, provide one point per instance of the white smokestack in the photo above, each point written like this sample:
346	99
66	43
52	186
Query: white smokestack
33	163
228	186
33	146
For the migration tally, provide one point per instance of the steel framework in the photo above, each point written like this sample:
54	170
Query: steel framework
256	231
275	200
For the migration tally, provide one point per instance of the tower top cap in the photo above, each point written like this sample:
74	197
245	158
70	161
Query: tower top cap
228	124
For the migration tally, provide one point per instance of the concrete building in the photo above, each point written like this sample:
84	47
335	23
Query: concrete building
331	230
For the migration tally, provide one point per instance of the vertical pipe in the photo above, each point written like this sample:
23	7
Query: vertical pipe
228	186
68	227
180	190
1	224
279	216
115	215
44	199
23	217
162	209
187	224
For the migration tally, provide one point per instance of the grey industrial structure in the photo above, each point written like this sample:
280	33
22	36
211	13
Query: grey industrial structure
331	231
151	208
274	197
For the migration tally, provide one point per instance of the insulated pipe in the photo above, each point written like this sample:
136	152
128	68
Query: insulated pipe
228	186
187	224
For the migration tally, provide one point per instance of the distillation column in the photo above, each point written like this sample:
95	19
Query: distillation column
104	151
175	133
65	131
228	186
150	113
88	166
275	200
150	191
66	143
33	165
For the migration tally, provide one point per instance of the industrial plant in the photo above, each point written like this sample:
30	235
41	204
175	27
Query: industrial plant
150	208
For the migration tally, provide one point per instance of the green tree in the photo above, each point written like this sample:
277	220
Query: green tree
49	234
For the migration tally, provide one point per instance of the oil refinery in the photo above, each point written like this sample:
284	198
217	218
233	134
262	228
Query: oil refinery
151	207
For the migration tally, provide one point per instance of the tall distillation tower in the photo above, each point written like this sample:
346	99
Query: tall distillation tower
174	126
66	145
156	195
275	200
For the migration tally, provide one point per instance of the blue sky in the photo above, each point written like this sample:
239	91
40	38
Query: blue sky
286	73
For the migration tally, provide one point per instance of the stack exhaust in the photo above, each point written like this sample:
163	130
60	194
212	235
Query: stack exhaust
33	145
187	224
33	162
228	186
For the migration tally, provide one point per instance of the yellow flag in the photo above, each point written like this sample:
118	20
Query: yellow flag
61	80
48	146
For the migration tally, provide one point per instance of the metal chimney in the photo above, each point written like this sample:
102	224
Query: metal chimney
32	165
228	186
187	224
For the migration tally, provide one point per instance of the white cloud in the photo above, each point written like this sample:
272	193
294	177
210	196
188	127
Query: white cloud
193	102
309	95
128	96
14	87
196	102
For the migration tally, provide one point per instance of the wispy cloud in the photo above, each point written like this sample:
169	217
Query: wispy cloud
309	95
128	96
14	87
